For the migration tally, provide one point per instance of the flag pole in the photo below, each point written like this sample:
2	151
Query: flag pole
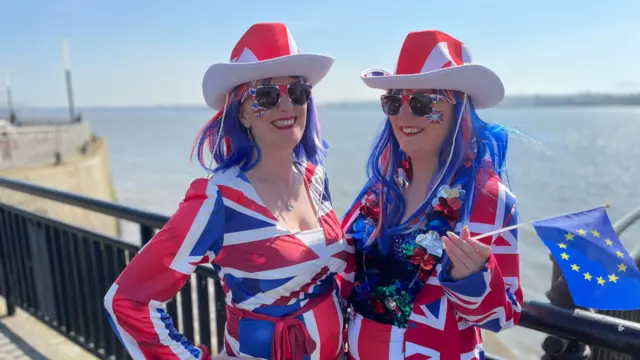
509	228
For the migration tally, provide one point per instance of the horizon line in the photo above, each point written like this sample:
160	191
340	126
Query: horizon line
322	103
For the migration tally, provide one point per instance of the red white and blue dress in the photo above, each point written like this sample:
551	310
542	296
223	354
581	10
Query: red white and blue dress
404	303
285	291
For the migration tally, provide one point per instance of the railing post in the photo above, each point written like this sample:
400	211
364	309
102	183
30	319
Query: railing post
146	234
221	313
7	289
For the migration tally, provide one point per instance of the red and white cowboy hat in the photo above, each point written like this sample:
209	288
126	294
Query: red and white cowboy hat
434	60
265	50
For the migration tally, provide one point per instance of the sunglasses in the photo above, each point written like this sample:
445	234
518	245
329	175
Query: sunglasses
420	104
268	96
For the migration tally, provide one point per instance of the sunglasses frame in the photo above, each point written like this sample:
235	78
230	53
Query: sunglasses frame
282	89
406	100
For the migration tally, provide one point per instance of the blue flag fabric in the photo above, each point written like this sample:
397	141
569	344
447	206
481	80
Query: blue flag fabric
599	271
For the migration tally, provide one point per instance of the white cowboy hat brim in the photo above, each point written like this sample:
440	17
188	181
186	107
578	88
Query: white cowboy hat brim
481	84
221	78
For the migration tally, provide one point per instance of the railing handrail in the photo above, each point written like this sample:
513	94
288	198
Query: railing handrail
582	326
147	218
626	221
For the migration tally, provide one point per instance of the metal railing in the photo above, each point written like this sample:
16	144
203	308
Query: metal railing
60	274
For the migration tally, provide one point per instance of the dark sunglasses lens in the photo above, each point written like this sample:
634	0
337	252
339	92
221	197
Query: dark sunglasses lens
421	104
391	104
299	93
267	96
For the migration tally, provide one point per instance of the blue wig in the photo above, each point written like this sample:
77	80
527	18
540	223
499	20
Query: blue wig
236	148
469	135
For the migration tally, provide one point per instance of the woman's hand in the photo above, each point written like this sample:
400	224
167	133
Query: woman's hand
467	255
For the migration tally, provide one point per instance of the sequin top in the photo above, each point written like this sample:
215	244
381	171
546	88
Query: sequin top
387	284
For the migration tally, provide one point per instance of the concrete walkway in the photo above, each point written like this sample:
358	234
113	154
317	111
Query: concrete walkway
24	337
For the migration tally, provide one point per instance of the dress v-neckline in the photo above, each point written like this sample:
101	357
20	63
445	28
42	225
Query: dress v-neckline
311	196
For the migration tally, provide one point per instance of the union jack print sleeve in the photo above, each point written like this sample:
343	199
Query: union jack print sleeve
491	298
344	280
135	303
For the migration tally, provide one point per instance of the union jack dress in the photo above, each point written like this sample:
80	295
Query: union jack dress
285	291
444	318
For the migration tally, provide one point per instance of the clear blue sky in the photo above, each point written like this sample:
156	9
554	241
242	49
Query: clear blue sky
126	52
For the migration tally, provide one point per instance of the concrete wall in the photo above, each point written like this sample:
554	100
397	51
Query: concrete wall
32	145
86	174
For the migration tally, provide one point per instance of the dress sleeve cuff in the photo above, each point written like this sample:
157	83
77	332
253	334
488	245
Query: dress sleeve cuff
474	285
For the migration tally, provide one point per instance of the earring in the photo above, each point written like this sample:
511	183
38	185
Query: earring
249	134
404	172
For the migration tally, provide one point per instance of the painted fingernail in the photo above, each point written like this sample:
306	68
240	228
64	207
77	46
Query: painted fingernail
449	233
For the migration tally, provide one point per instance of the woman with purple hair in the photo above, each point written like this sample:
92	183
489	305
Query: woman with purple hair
427	281
263	219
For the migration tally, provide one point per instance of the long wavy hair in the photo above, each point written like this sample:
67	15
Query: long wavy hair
469	135
236	148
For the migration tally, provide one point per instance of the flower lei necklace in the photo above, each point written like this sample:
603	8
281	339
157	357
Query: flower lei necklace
420	249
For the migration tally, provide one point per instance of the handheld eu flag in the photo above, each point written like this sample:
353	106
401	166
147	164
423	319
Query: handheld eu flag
599	271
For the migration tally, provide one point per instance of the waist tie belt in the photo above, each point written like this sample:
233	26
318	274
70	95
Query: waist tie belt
291	340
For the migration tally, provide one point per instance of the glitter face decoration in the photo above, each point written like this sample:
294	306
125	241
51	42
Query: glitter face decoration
258	111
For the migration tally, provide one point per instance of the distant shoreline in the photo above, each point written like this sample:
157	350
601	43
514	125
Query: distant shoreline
585	99
519	101
513	101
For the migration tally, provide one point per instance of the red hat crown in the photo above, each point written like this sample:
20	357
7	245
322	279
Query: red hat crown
264	41
430	50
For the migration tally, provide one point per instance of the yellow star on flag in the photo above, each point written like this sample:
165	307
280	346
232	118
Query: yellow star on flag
569	236
587	276
582	232
565	256
595	233
562	245
613	278
575	267
600	280
620	255
609	242
622	267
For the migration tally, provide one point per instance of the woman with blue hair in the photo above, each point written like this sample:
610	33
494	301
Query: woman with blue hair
427	282
264	219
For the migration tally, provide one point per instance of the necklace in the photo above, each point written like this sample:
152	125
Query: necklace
294	181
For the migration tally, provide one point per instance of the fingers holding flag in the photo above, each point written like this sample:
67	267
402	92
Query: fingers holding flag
467	255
